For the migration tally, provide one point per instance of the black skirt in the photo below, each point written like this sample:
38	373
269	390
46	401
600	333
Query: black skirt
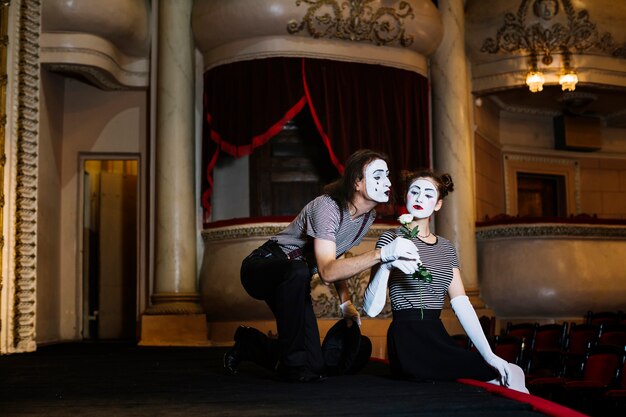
421	349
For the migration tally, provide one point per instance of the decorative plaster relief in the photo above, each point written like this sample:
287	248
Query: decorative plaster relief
4	23
366	31
267	230
576	32
326	303
380	26
502	36
20	251
550	230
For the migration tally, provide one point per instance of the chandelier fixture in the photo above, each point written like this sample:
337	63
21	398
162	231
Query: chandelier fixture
543	28
534	77
568	77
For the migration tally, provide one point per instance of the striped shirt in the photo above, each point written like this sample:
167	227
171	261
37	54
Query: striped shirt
322	219
439	258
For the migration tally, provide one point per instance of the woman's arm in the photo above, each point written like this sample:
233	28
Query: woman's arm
376	291
469	320
456	287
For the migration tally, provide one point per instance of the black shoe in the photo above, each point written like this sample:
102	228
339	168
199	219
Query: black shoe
298	374
233	356
231	361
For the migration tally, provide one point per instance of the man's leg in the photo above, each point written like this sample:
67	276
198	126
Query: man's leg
251	345
286	287
313	347
259	277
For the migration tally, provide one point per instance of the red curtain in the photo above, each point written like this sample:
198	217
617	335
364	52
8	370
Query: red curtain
353	105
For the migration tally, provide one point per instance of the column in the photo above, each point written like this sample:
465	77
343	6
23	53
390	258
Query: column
452	139
175	316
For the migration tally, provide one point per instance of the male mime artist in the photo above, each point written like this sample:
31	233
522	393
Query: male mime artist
279	272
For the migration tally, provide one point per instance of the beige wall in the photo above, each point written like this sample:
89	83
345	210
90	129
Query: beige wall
601	189
526	131
49	210
78	119
489	179
488	163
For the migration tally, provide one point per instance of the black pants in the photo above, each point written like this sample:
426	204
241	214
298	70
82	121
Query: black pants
285	286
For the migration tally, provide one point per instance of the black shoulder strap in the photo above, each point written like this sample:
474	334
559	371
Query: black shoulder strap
363	223
366	217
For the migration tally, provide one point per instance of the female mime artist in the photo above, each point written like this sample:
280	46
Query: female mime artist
418	345
279	272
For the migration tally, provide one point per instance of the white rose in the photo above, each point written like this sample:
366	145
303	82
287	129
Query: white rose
405	219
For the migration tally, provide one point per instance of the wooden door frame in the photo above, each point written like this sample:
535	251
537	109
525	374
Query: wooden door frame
142	286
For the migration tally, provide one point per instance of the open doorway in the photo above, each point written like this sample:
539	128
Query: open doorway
110	248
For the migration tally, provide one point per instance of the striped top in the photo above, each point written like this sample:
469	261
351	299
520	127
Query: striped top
439	258
322	219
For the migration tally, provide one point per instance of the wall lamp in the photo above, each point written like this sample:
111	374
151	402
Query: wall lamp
567	78
534	77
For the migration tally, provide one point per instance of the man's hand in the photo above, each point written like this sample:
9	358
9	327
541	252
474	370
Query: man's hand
349	312
398	248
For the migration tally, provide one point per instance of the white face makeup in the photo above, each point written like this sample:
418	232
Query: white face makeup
422	198
377	182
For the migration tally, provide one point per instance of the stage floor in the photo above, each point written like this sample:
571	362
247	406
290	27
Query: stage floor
122	379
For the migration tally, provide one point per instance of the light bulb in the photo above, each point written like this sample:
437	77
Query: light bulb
568	81
534	80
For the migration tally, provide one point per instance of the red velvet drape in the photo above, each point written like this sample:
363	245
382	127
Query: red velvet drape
353	105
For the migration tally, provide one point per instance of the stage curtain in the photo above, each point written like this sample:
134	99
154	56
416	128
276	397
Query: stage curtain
370	106
353	105
245	104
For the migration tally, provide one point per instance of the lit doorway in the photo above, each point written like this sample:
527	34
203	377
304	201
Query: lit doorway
110	248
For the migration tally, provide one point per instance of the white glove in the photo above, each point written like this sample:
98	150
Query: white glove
469	320
398	248
408	267
376	291
349	311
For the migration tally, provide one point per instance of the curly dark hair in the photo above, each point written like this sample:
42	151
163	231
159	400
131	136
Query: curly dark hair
342	190
443	182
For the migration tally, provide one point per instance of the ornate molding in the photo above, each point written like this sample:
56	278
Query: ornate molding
267	230
4	37
551	230
26	71
555	32
327	19
242	232
534	111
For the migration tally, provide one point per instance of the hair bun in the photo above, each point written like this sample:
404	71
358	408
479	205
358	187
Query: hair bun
446	179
